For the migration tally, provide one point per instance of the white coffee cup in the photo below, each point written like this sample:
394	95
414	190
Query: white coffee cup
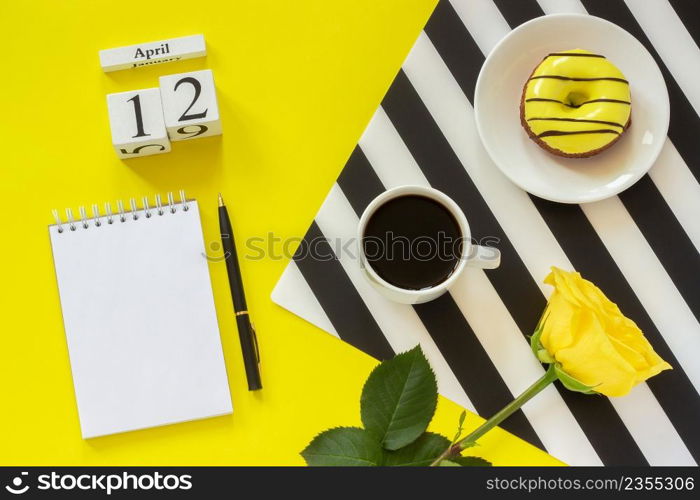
472	255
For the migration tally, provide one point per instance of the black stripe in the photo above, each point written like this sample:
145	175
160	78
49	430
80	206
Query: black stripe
456	46
443	320
471	364
684	128
338	297
518	12
687	10
611	439
667	238
583	246
359	181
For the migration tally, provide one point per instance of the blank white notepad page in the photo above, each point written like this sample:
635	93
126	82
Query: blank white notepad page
139	316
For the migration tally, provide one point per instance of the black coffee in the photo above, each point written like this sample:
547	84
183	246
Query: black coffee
413	242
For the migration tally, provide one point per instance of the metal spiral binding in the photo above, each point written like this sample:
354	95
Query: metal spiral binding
96	219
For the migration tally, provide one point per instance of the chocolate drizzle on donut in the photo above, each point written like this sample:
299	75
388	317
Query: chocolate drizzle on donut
544	99
572	54
579	120
550	133
572	79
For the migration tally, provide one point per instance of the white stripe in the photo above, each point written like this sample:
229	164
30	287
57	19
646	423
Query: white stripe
674	44
515	212
660	442
294	294
483	20
511	354
645	274
400	324
679	188
513	209
387	153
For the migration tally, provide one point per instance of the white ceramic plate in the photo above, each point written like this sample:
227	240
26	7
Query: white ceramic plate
497	108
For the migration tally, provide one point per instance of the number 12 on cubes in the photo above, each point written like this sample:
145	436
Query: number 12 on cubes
143	122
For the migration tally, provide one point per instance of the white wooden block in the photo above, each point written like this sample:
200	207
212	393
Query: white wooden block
145	54
136	120
189	105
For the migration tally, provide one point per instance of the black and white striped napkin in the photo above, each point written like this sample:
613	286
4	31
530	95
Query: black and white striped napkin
640	247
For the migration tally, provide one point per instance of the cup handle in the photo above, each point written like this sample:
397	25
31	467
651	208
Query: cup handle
484	257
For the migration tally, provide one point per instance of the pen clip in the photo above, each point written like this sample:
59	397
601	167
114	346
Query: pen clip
255	342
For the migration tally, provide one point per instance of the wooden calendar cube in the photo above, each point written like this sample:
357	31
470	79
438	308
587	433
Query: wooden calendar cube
189	105
136	120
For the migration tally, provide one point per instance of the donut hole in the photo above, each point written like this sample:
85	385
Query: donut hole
575	99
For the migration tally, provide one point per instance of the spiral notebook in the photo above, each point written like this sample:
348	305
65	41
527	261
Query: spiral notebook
139	316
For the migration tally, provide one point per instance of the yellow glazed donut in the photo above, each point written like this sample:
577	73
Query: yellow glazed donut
575	104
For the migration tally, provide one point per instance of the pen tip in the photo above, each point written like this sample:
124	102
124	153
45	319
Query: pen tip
221	200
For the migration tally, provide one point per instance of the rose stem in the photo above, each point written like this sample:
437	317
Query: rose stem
546	379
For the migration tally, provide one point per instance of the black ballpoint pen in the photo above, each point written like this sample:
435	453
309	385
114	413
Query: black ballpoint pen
246	330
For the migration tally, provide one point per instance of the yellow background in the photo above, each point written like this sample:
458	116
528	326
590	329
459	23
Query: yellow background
297	82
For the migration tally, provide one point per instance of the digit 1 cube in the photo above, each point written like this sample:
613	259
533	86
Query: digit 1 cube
136	120
189	105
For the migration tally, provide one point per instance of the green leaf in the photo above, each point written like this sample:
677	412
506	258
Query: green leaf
471	461
460	427
449	463
420	453
540	352
535	340
399	399
571	383
343	446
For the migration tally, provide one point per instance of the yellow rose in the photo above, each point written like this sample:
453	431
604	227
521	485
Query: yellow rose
592	340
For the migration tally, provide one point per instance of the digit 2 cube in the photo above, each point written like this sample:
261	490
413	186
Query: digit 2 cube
136	120
189	105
